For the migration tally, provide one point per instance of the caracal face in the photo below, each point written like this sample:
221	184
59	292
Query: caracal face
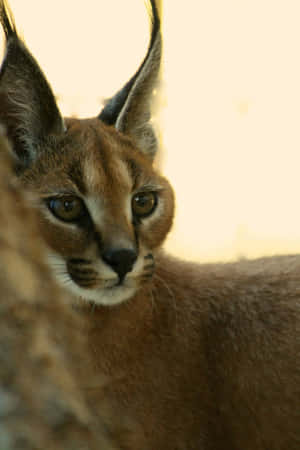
103	210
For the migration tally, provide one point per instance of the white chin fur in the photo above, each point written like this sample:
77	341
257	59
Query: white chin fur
106	297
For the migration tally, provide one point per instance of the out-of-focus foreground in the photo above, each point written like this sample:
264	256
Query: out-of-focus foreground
42	340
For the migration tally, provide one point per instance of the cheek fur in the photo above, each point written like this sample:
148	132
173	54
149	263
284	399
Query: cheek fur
153	232
63	239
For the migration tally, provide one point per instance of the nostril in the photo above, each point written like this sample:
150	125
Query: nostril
120	260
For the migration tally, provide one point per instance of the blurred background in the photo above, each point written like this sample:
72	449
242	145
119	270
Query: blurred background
230	107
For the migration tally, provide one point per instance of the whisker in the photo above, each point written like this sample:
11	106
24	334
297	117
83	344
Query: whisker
171	295
80	261
152	297
67	280
58	265
52	256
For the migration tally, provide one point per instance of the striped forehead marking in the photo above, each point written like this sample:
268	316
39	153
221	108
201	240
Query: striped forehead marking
99	178
108	192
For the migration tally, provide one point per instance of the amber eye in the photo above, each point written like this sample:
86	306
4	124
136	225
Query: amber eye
67	208
144	203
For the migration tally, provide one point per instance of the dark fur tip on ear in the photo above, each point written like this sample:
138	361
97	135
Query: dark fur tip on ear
130	109
27	105
7	21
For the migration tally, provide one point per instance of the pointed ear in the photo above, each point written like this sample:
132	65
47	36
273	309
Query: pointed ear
27	105
130	109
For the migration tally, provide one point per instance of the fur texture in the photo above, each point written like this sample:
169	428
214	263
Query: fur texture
191	357
41	405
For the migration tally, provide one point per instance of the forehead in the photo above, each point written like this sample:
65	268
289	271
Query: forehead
95	158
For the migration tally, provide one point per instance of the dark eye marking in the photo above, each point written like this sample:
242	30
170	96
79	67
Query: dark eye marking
143	204
67	208
75	174
135	171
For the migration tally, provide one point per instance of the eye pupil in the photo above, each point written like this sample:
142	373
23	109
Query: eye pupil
69	205
68	209
144	203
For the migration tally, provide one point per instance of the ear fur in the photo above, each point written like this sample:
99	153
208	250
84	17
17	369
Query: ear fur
130	109
27	105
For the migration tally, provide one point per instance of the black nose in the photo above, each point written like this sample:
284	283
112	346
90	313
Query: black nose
120	260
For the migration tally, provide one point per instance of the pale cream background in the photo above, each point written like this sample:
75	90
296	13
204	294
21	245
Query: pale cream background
231	116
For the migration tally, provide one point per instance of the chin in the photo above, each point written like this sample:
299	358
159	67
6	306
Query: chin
102	296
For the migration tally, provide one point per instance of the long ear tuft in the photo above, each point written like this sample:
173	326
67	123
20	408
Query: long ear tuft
27	105
130	109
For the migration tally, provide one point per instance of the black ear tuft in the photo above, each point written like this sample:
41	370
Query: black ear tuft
27	105
130	109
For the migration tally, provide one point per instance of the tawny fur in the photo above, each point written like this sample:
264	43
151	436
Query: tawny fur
181	356
206	357
41	404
